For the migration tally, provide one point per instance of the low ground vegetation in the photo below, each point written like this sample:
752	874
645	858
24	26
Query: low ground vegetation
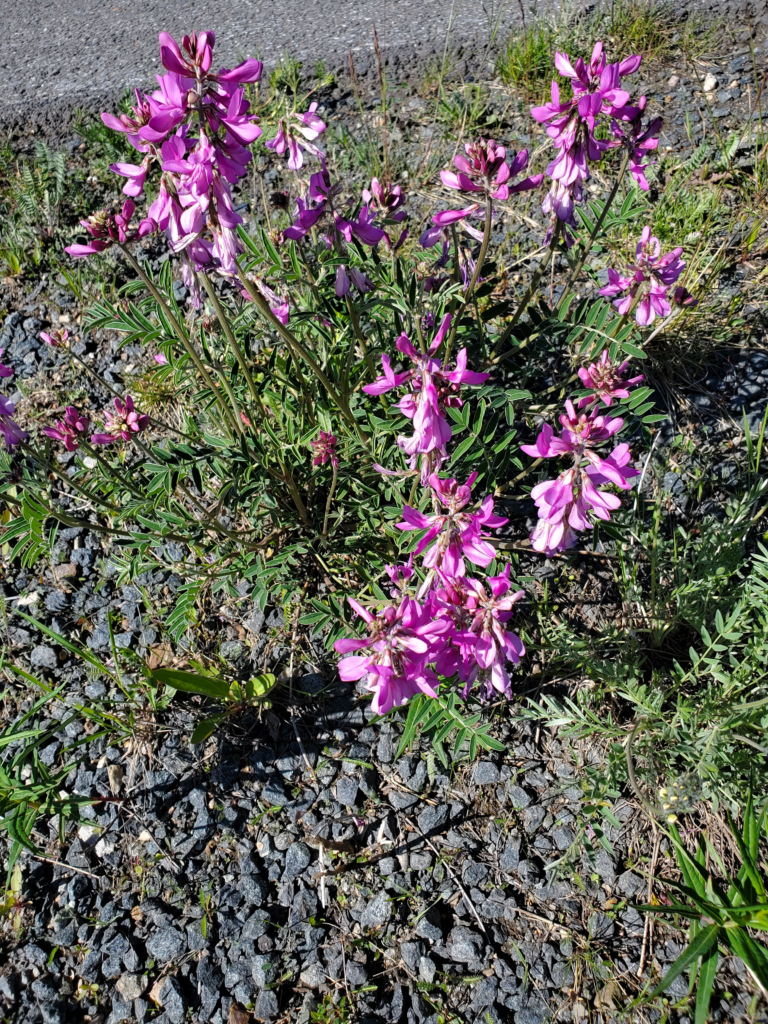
492	824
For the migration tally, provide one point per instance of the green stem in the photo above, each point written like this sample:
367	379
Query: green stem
294	344
233	421
53	468
111	469
359	335
531	291
475	276
226	327
595	231
328	502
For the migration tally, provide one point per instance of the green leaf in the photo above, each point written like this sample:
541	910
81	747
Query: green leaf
191	682
633	350
463	447
703	942
706	984
259	687
204	729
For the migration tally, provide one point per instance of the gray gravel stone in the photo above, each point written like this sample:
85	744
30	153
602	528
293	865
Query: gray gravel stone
45	990
43	656
605	866
510	858
346	791
518	797
172	1000
473	873
427	929
297	859
356	973
266	1005
629	883
600	926
274	792
533	817
411	953
485	773
166	944
131	986
121	1010
313	976
377	912
427	969
463	945
432	818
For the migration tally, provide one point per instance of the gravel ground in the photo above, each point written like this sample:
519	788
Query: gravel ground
294	855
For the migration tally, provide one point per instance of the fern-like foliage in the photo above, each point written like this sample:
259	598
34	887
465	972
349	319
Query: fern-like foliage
39	190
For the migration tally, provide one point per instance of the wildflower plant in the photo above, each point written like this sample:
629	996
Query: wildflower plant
298	465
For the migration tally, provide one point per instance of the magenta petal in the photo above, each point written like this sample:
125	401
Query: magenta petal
348	644
353	668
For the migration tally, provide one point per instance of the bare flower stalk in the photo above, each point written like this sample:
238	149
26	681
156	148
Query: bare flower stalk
232	421
232	341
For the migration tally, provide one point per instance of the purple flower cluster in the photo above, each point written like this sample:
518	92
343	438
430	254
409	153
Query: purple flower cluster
484	172
10	429
598	101
121	424
71	429
196	127
309	126
316	209
565	503
324	447
452	626
646	284
432	390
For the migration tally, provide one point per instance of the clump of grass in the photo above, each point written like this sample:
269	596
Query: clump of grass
286	77
528	62
649	27
465	110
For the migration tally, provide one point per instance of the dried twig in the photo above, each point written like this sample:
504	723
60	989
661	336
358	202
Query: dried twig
647	928
451	872
68	867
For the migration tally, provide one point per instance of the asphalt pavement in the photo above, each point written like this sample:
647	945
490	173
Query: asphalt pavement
67	52
58	54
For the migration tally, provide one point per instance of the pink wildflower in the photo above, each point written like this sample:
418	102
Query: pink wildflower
628	131
484	169
69	430
456	534
107	229
648	281
57	337
5	371
401	641
10	429
480	646
606	380
386	199
123	423
309	125
563	503
324	447
432	390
